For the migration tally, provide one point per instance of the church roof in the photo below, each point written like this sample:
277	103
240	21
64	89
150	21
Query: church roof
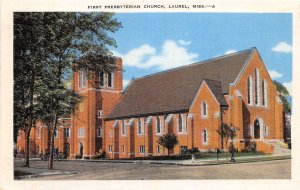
173	91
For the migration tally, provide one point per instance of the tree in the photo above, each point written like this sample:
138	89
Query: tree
65	43
168	141
283	93
227	132
28	61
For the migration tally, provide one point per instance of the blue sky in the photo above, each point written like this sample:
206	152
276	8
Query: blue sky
153	42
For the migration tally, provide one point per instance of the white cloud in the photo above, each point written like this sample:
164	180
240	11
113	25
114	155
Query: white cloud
230	51
171	55
275	74
282	47
288	86
184	43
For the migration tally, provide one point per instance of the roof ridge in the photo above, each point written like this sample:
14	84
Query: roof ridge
192	64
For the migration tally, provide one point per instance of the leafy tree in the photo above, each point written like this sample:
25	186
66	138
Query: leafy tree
28	61
168	141
227	132
283	93
65	43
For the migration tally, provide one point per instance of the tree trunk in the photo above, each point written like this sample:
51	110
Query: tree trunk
50	164
27	147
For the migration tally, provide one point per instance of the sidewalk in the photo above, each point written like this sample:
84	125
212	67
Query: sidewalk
196	162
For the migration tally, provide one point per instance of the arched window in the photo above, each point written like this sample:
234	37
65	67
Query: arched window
123	127
179	123
249	90
264	92
158	127
205	136
256	87
204	109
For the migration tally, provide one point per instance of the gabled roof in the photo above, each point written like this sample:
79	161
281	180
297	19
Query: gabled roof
215	87
173	90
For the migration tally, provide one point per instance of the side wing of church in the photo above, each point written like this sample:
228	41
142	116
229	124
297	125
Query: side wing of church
190	101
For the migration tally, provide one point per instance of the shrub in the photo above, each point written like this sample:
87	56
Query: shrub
78	156
251	147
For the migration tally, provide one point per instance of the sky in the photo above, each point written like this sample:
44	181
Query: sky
153	42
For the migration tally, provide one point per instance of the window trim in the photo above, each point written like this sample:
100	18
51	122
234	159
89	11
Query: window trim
99	114
158	150
123	149
264	90
142	149
69	132
39	133
257	87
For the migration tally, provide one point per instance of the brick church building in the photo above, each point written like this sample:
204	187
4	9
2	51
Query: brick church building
190	101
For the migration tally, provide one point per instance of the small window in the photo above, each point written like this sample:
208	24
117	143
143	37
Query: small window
99	131
158	149
109	79
101	79
205	140
142	149
100	113
56	133
204	109
66	132
266	132
123	149
158	125
109	148
180	127
81	132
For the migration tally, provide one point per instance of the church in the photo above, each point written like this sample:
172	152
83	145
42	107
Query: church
191	101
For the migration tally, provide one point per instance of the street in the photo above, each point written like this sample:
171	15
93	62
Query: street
86	170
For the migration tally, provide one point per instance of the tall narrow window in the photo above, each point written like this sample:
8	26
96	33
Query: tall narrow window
109	148
99	131
82	79
158	127
204	109
39	133
101	79
109	79
179	123
204	136
249	90
264	92
140	127
256	87
123	128
56	133
66	132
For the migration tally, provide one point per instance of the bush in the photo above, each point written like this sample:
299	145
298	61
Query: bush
190	151
78	156
102	155
251	147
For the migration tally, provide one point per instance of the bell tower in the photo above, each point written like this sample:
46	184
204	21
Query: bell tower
100	93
